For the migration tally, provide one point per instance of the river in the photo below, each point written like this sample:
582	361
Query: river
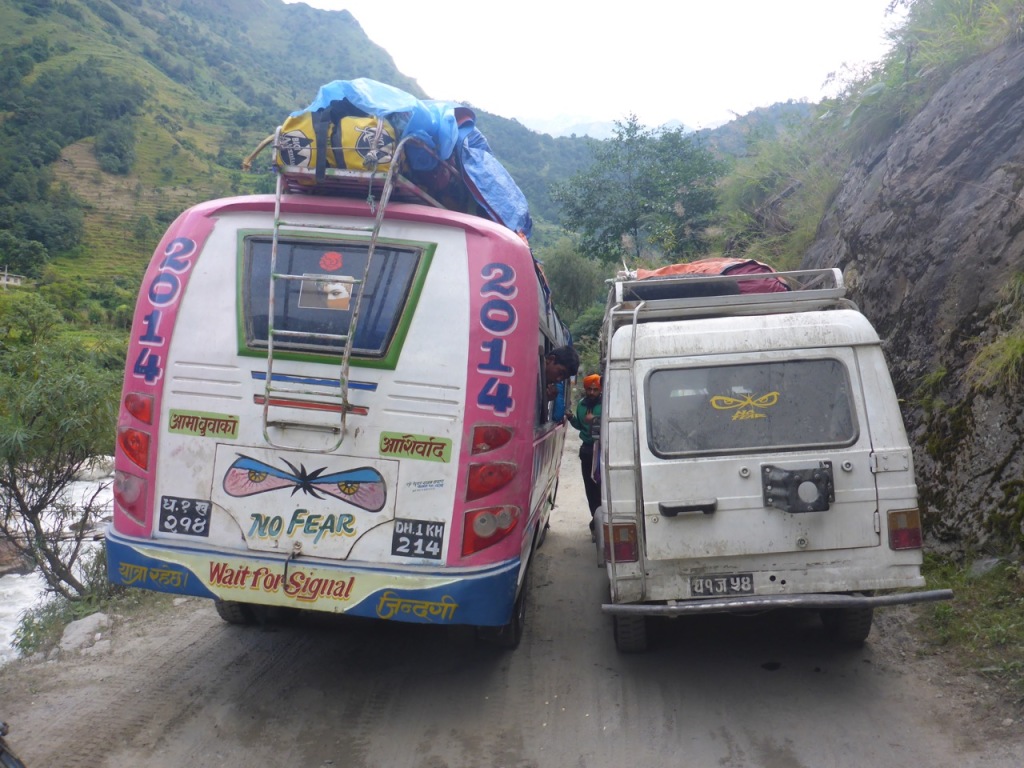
19	592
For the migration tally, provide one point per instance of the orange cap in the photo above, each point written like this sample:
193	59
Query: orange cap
593	380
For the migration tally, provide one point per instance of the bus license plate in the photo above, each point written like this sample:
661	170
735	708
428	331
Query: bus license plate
417	538
726	584
190	517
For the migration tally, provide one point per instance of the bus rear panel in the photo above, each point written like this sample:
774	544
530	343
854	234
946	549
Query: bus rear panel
256	468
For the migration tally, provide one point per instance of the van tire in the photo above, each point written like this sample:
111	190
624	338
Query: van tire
234	613
630	633
508	636
848	626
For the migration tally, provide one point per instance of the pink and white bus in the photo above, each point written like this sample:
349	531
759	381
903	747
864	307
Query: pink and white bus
264	458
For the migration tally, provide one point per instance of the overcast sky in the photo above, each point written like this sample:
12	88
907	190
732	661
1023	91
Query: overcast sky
698	61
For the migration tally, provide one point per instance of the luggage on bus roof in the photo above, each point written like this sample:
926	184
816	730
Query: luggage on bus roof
441	133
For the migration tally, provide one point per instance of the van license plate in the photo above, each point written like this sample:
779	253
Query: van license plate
726	584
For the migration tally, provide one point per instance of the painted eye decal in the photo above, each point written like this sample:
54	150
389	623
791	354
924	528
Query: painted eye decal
363	487
726	403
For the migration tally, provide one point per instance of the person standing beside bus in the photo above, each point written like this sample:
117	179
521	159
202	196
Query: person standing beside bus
587	420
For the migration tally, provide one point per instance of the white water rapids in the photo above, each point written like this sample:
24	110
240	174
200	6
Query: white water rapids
19	592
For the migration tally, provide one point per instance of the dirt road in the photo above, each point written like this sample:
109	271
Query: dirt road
184	690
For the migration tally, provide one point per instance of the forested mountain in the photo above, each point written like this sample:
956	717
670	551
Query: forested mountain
120	113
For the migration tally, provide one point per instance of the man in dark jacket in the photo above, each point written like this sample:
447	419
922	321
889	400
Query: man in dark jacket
587	420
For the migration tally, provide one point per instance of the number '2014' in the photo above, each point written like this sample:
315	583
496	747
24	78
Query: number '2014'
163	291
498	318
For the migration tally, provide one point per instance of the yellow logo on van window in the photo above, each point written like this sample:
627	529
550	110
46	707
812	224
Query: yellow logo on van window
746	407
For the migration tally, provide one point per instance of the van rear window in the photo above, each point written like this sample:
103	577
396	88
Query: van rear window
778	405
323	305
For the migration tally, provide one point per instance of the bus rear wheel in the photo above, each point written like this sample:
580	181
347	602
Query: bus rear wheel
508	636
235	613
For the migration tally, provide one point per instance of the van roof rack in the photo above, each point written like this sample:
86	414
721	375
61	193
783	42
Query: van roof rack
682	296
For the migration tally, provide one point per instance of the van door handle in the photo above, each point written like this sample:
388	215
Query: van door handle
701	507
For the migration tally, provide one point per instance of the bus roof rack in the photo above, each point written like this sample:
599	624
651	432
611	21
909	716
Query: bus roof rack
343	182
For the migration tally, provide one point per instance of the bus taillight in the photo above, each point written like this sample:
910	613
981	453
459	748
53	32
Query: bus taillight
135	444
905	529
487	437
486	527
139	406
130	495
487	478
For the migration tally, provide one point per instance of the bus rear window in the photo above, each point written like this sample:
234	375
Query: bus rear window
780	405
323	305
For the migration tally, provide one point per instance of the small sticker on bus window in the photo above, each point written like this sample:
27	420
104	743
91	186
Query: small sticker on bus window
323	293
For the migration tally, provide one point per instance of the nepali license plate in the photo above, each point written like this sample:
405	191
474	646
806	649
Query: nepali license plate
190	517
417	538
724	584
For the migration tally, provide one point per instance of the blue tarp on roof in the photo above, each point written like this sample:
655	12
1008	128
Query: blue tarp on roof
448	130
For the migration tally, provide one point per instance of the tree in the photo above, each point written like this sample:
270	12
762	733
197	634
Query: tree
26	318
22	257
115	146
57	412
645	191
686	200
576	282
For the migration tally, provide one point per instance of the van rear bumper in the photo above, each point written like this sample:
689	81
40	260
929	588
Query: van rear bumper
764	602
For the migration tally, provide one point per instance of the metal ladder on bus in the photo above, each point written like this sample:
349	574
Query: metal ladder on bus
626	366
280	389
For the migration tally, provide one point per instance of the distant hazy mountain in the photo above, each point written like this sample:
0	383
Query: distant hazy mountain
568	125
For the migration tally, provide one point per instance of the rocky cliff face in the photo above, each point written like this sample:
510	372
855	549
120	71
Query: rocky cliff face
928	230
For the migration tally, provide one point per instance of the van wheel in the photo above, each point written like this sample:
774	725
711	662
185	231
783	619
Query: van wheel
234	613
509	635
630	633
848	626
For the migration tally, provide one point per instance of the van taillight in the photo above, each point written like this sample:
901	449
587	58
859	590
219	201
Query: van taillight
130	495
624	540
139	406
487	478
904	529
487	437
486	527
135	444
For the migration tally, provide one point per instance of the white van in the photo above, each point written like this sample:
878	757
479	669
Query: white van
753	455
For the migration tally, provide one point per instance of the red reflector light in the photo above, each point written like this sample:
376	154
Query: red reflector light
486	527
139	406
905	529
130	495
488	437
487	478
624	541
135	444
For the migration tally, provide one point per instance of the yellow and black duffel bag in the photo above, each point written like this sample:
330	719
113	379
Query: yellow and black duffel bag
338	136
